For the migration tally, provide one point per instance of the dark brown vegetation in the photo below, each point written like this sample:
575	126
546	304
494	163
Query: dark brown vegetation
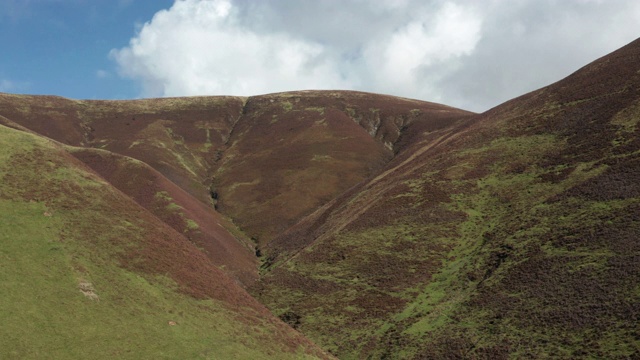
293	152
509	234
388	227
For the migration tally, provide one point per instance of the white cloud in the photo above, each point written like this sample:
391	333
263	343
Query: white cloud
213	47
424	49
460	52
197	47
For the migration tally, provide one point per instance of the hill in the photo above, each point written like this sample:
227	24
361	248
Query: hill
292	152
269	160
88	272
143	180
378	227
512	234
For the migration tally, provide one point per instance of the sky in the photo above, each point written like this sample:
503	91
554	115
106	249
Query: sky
472	54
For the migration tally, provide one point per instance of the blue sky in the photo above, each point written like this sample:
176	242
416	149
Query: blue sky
472	54
62	47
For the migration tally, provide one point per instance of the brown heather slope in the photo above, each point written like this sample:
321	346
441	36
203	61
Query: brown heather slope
292	152
197	221
270	160
88	272
180	137
514	235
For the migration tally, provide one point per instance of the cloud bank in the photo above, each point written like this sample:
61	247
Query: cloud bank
469	54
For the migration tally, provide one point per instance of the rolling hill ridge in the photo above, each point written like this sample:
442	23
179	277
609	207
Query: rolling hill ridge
159	157
374	226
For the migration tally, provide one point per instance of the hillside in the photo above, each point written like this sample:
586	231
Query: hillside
300	148
143	180
374	226
292	152
514	234
89	273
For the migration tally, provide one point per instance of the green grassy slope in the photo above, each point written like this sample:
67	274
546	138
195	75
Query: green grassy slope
88	273
514	235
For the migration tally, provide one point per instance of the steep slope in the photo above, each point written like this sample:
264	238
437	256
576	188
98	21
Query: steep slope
514	234
89	273
292	152
197	221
